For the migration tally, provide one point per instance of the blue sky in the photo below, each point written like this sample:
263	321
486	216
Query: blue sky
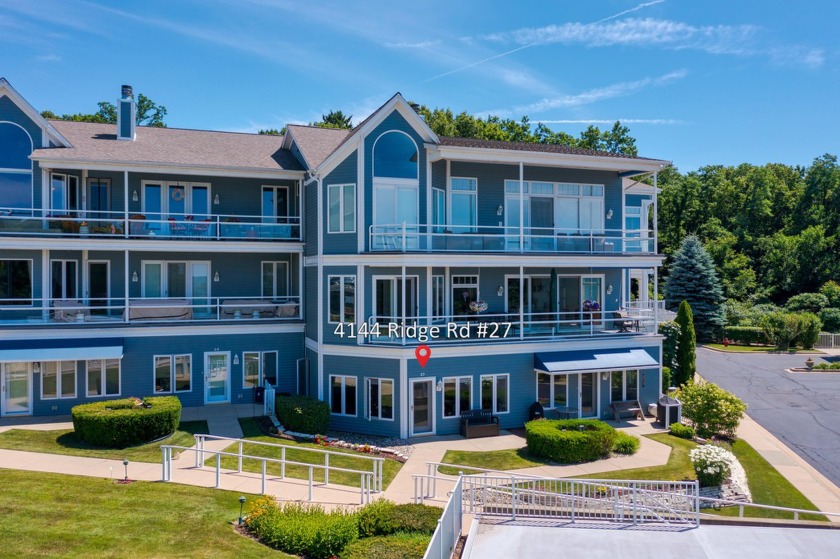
697	82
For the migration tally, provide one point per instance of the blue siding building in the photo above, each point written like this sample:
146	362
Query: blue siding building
137	261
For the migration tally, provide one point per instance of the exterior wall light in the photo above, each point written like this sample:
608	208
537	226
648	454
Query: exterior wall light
500	291
134	278
609	214
216	200
135	197
216	277
500	210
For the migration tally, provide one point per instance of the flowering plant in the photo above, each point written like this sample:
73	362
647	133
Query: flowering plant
591	306
478	306
711	463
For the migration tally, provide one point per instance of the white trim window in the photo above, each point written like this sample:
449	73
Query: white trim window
341	207
438	298
275	279
173	373
64	193
457	396
343	395
342	299
258	368
380	396
464	292
64	279
552	390
103	377
438	209
16	190
495	393
58	380
463	204
16	282
624	386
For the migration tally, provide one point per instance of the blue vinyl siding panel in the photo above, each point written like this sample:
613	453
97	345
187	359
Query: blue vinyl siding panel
125	119
312	356
393	121
11	113
137	366
363	368
491	186
311	221
635	200
312	302
345	173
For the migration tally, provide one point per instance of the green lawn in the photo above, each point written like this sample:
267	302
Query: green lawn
510	459
677	468
251	430
65	442
53	515
757	349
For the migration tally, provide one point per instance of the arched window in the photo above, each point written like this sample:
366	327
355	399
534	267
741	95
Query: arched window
395	156
15	167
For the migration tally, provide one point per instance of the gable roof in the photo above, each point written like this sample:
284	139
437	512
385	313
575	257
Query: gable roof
315	143
97	143
50	131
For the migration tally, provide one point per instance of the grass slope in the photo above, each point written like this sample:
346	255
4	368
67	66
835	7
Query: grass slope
53	515
66	442
252	431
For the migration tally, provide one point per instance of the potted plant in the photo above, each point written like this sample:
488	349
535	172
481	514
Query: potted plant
809	363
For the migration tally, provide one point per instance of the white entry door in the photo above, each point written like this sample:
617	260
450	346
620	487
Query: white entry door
422	420
217	377
16	388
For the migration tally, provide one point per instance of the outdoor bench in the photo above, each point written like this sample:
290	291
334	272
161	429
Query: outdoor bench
479	423
630	408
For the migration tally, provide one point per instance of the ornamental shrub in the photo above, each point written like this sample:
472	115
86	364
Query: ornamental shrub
745	335
711	463
126	422
666	378
781	328
682	431
711	409
302	529
303	414
810	326
687	346
625	444
671	332
397	546
383	517
808	302
692	278
830	319
831	290
570	441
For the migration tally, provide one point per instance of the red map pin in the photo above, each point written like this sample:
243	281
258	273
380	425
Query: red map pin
422	353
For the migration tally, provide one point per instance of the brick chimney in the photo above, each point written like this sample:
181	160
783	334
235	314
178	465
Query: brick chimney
126	113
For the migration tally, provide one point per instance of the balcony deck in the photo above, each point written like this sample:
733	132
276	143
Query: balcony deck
443	238
39	223
158	312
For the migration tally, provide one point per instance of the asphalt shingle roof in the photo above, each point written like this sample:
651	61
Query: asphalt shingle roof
171	146
316	144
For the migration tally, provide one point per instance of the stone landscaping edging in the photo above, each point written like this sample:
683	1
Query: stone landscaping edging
338	443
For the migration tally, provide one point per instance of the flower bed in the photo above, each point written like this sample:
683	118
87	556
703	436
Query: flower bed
126	422
711	463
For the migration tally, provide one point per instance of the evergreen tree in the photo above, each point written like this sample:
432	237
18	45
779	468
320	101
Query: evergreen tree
693	279
686	346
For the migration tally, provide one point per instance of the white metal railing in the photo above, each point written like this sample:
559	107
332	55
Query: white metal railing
649	308
742	505
448	529
407	237
828	340
376	471
493	327
88	223
174	309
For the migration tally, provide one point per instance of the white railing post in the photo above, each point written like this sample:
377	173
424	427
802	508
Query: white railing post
635	505
310	484
239	458
218	470
513	496
283	463
403	237
163	463
263	477
326	468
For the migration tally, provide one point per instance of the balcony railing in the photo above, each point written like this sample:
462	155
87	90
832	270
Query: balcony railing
497	328
446	238
44	223
114	311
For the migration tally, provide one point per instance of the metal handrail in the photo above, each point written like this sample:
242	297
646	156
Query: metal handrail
366	478
378	462
741	505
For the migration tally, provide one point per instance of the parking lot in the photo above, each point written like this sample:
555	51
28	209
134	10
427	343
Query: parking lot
801	409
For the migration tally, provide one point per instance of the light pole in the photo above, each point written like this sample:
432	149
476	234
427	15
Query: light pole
241	505
125	463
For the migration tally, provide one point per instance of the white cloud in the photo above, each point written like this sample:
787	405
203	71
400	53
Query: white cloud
419	45
665	121
738	40
590	96
52	57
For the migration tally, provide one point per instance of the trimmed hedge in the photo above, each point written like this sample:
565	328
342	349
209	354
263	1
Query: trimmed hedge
745	335
303	414
122	423
382	518
397	546
625	444
682	431
569	441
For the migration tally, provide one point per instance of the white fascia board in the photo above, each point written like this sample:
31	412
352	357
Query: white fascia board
21	103
134	167
145	245
495	260
398	103
288	140
172	331
503	348
545	159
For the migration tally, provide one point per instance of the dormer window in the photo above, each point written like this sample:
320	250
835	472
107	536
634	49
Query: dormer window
15	167
395	156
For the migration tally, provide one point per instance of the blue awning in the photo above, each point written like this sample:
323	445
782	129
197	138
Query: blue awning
583	361
61	350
